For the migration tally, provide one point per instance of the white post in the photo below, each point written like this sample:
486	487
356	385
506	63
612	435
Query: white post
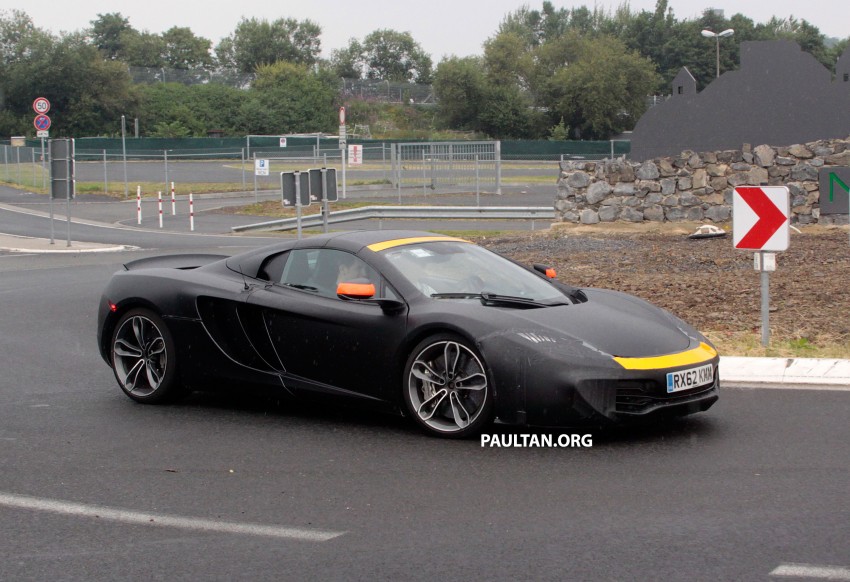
498	155
124	155
165	157
191	213
105	175
765	301
159	204
343	152
173	205
43	167
477	183
254	171
139	203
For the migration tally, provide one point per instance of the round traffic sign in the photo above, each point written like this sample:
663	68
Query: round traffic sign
41	105
41	122
342	115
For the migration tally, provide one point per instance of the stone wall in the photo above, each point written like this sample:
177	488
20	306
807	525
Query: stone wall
696	187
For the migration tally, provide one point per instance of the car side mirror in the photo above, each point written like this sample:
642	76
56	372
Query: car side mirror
366	292
546	270
355	290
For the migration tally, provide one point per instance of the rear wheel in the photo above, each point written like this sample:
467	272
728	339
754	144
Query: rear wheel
446	387
143	357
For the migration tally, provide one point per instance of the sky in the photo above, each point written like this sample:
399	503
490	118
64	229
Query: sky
441	27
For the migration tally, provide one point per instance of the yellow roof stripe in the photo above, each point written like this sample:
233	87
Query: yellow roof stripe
388	244
695	356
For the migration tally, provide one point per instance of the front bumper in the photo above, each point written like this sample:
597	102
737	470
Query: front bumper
618	398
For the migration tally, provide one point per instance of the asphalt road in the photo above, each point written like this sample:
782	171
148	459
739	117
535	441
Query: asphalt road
223	487
95	487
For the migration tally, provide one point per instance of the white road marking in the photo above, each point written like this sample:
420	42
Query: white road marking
156	519
787	386
812	571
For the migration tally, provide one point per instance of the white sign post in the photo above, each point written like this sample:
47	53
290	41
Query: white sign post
41	106
761	219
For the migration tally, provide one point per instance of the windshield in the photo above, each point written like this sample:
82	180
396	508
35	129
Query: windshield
456	267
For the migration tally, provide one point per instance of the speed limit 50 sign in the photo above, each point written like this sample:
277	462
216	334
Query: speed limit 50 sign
41	105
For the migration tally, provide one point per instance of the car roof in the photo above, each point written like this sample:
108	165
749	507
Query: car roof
374	240
352	241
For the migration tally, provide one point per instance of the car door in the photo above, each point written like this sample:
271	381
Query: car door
325	343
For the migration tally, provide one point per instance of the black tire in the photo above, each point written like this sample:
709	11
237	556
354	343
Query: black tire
447	388
144	358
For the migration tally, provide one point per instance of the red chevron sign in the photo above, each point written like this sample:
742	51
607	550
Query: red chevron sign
760	218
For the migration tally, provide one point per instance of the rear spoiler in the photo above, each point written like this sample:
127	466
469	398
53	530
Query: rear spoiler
181	261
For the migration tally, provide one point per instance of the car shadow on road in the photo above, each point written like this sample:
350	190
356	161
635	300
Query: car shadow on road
333	415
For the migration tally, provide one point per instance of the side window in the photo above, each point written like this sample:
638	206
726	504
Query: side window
299	269
321	270
272	268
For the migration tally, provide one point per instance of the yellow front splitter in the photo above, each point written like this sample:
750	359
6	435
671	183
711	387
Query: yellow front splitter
698	355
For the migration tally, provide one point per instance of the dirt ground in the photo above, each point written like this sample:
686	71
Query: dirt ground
709	283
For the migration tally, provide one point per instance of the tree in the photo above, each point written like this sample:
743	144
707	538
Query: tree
260	42
459	86
536	27
348	62
109	34
559	132
184	50
802	32
507	113
19	37
835	51
297	100
508	59
604	91
143	49
394	56
170	107
20	41
87	93
649	33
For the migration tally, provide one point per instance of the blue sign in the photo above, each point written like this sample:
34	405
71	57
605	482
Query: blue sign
41	122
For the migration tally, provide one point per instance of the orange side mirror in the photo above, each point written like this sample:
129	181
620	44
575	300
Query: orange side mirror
356	290
546	270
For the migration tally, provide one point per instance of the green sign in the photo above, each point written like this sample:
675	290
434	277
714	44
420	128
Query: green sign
834	185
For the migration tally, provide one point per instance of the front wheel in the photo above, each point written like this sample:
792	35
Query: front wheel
447	389
143	357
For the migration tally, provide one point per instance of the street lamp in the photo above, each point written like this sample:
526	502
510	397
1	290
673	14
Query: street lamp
716	36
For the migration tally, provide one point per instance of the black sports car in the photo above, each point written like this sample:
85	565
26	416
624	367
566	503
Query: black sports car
431	326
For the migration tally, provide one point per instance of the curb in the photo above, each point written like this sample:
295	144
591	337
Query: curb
25	244
785	371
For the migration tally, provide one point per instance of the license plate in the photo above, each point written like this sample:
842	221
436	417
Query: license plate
692	378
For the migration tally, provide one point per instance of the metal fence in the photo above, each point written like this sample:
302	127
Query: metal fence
227	165
387	91
366	89
27	166
447	166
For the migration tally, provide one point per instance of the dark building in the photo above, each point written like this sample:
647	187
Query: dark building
780	96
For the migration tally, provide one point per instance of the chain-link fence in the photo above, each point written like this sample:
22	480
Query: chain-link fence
228	164
366	89
387	91
23	165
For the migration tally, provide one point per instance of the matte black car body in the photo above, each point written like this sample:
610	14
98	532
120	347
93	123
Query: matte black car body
599	356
